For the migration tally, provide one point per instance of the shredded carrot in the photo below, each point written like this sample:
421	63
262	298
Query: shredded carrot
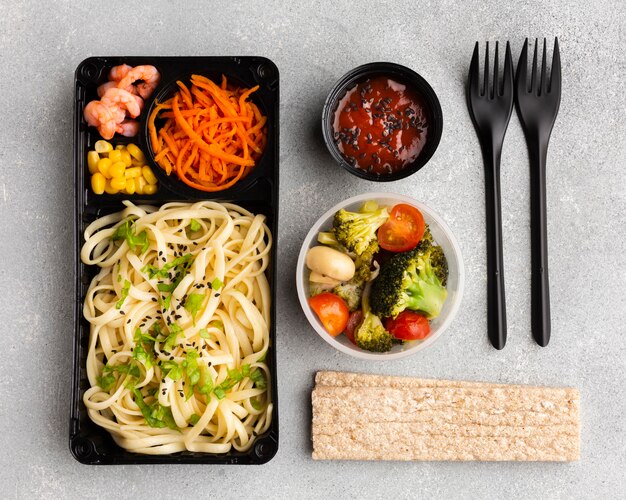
211	135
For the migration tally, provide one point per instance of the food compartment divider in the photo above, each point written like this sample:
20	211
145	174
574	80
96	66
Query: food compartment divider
89	443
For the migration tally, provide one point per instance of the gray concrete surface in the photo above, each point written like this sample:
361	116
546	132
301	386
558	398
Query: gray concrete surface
313	44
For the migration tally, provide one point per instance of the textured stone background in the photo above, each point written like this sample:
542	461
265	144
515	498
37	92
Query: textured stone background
313	44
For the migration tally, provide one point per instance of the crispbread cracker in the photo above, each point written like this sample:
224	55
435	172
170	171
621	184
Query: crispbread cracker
371	417
347	379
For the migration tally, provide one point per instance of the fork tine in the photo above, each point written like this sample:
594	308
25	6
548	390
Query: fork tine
507	84
533	76
474	83
543	82
486	84
522	70
496	83
555	76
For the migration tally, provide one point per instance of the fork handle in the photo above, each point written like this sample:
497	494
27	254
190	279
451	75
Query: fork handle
496	304
540	289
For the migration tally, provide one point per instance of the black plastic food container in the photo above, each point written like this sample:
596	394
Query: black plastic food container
403	75
258	192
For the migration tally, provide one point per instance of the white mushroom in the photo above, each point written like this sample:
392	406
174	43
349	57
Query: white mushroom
316	277
331	263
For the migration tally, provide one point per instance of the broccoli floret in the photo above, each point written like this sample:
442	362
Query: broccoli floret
317	288
410	280
427	240
372	336
363	265
357	230
351	292
437	257
439	264
327	238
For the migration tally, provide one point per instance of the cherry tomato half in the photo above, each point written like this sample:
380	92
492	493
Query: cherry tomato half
408	326
332	312
404	229
353	322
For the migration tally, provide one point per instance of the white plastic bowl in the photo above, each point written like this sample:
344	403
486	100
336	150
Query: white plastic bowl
441	234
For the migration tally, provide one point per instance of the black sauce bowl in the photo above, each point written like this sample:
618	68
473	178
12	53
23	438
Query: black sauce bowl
402	75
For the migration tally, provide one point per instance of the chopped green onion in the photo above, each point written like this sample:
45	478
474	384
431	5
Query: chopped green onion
194	225
166	287
191	365
206	384
123	294
140	354
258	377
194	419
130	369
154	414
194	303
172	370
217	324
129	383
216	284
170	341
151	270
204	334
256	404
141	337
166	302
126	231
106	382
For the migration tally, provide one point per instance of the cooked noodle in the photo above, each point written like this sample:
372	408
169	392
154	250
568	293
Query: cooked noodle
179	316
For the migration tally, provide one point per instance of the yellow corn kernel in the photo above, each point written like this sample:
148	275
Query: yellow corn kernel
137	163
103	166
126	158
149	189
92	161
140	184
98	182
130	186
148	175
103	146
118	183
136	153
133	172
109	189
115	156
117	170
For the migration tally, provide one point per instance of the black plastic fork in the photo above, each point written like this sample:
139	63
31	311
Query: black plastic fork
537	107
491	109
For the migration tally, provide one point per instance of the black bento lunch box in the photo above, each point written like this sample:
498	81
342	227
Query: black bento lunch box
257	192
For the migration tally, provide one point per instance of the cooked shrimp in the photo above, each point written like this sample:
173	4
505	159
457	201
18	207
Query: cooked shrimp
106	86
119	72
128	128
118	114
113	85
148	75
122	99
101	116
139	101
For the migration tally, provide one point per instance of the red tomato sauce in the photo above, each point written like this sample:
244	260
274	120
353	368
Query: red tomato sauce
380	125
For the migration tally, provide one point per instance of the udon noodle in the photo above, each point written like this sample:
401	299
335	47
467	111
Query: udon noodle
179	317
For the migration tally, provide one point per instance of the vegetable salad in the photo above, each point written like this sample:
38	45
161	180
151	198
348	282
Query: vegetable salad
377	276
